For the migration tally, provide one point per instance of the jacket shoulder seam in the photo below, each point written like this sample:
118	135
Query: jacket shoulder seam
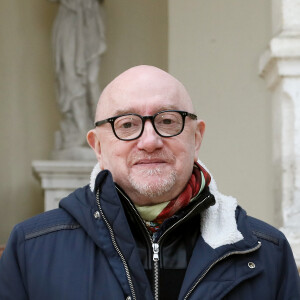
265	236
53	228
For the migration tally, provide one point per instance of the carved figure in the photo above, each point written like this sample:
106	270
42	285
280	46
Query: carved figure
78	42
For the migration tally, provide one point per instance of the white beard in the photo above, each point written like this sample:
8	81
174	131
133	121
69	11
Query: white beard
153	189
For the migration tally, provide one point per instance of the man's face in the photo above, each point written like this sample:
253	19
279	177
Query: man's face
150	169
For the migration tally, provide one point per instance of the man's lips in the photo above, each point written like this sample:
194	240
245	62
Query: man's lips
149	162
143	159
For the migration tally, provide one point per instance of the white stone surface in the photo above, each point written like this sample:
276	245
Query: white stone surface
78	43
285	15
60	178
280	66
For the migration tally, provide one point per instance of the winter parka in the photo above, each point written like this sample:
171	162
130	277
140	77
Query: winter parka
85	250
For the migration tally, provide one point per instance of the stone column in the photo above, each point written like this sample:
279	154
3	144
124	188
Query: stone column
280	66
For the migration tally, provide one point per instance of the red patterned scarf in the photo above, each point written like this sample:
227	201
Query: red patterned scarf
199	180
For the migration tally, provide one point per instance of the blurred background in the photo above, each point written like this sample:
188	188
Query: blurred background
213	47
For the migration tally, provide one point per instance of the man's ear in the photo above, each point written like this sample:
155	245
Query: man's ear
198	137
94	143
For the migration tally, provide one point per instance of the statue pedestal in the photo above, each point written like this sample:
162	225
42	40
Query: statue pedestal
60	178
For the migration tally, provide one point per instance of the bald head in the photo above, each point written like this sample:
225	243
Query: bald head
143	83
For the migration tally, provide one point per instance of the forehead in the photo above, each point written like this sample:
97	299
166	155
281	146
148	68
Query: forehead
143	95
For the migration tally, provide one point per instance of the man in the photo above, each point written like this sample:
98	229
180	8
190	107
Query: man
152	224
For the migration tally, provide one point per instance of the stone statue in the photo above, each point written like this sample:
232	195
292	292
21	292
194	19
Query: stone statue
78	42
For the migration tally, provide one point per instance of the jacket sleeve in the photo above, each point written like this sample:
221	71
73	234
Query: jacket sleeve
12	268
289	280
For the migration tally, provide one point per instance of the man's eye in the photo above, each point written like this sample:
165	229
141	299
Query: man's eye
127	125
167	121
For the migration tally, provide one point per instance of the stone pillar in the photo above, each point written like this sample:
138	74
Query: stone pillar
280	66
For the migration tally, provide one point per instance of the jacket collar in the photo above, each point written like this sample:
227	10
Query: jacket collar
218	222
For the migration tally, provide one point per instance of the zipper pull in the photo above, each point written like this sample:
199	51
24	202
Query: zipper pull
155	247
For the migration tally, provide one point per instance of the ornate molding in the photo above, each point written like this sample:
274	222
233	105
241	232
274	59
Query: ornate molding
281	59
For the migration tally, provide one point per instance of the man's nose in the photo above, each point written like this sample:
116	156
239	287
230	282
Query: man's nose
149	140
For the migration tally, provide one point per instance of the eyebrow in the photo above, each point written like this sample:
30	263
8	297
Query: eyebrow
133	110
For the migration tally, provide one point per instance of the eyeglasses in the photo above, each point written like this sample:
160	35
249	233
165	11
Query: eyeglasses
166	123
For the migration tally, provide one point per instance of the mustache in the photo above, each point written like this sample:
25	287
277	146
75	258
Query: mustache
160	156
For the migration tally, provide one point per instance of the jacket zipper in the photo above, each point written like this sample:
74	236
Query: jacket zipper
116	246
155	249
155	245
218	260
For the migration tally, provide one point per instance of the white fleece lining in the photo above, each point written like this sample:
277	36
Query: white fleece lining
95	172
218	223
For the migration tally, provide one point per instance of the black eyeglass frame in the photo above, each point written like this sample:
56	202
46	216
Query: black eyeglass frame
111	120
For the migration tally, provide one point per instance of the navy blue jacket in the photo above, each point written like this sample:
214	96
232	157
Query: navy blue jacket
81	252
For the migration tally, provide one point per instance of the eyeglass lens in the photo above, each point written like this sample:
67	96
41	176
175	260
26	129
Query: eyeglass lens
166	124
